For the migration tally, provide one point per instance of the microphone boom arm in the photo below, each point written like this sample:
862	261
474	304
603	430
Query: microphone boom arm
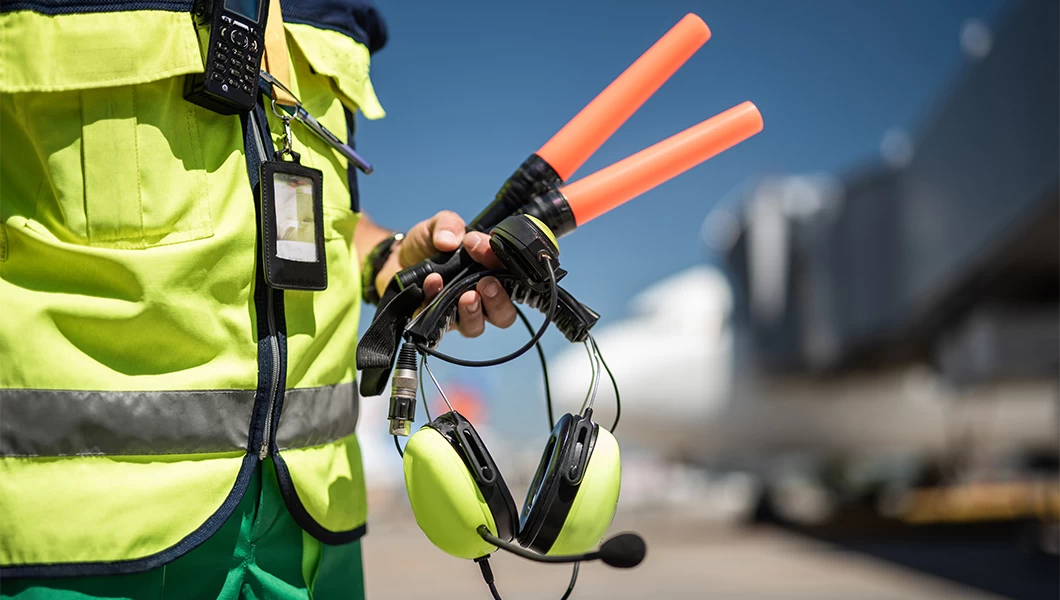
484	532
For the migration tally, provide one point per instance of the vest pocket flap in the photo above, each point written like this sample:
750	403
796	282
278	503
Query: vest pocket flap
344	60
44	53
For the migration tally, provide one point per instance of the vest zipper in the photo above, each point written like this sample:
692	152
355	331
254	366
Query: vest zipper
273	391
274	345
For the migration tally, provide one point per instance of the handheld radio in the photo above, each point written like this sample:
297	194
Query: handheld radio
231	40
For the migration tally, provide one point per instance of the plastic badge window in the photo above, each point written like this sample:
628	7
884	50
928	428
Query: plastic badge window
295	219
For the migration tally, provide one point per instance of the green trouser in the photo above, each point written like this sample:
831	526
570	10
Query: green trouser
259	553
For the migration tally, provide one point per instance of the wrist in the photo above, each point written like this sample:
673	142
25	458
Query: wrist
389	269
376	263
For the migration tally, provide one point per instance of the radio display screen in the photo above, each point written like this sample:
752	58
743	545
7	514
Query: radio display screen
246	8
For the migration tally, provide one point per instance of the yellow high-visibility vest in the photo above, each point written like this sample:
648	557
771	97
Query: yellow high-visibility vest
145	367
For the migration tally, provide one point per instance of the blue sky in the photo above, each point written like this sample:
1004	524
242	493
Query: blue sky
472	88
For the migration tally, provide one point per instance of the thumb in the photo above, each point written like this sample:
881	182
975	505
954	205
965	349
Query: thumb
441	233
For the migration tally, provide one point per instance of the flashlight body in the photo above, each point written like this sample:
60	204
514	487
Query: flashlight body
533	178
446	264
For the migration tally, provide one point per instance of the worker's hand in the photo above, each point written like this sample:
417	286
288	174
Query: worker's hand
444	232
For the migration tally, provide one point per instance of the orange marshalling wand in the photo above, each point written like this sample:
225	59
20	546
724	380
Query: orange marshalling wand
598	193
583	135
589	129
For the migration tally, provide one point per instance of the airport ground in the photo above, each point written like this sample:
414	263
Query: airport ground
690	557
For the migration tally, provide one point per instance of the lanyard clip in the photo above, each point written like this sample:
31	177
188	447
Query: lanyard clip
301	115
288	148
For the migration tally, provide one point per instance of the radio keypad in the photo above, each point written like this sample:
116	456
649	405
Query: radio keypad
236	59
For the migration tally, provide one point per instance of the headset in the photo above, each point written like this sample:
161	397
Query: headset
456	490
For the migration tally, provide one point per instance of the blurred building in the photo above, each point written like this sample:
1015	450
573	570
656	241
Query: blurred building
950	258
923	292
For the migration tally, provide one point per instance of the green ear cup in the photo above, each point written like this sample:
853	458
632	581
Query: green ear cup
594	505
445	498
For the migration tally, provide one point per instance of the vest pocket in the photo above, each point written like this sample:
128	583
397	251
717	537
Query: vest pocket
145	181
97	110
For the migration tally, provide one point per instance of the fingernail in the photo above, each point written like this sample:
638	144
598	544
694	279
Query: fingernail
473	241
490	290
445	237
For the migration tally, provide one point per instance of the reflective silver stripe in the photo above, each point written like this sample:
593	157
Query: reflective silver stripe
75	423
314	416
70	422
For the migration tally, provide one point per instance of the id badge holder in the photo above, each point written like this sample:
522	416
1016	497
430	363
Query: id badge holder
292	221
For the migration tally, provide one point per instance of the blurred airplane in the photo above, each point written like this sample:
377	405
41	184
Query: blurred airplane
687	396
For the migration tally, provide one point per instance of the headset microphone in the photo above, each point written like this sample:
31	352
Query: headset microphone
623	551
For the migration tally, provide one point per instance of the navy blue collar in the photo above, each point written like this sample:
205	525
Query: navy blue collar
358	19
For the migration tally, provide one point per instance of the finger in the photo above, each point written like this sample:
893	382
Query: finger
495	302
417	244
448	231
470	310
432	286
442	232
478	246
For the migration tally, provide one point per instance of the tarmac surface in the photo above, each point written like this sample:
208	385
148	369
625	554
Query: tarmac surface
689	558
